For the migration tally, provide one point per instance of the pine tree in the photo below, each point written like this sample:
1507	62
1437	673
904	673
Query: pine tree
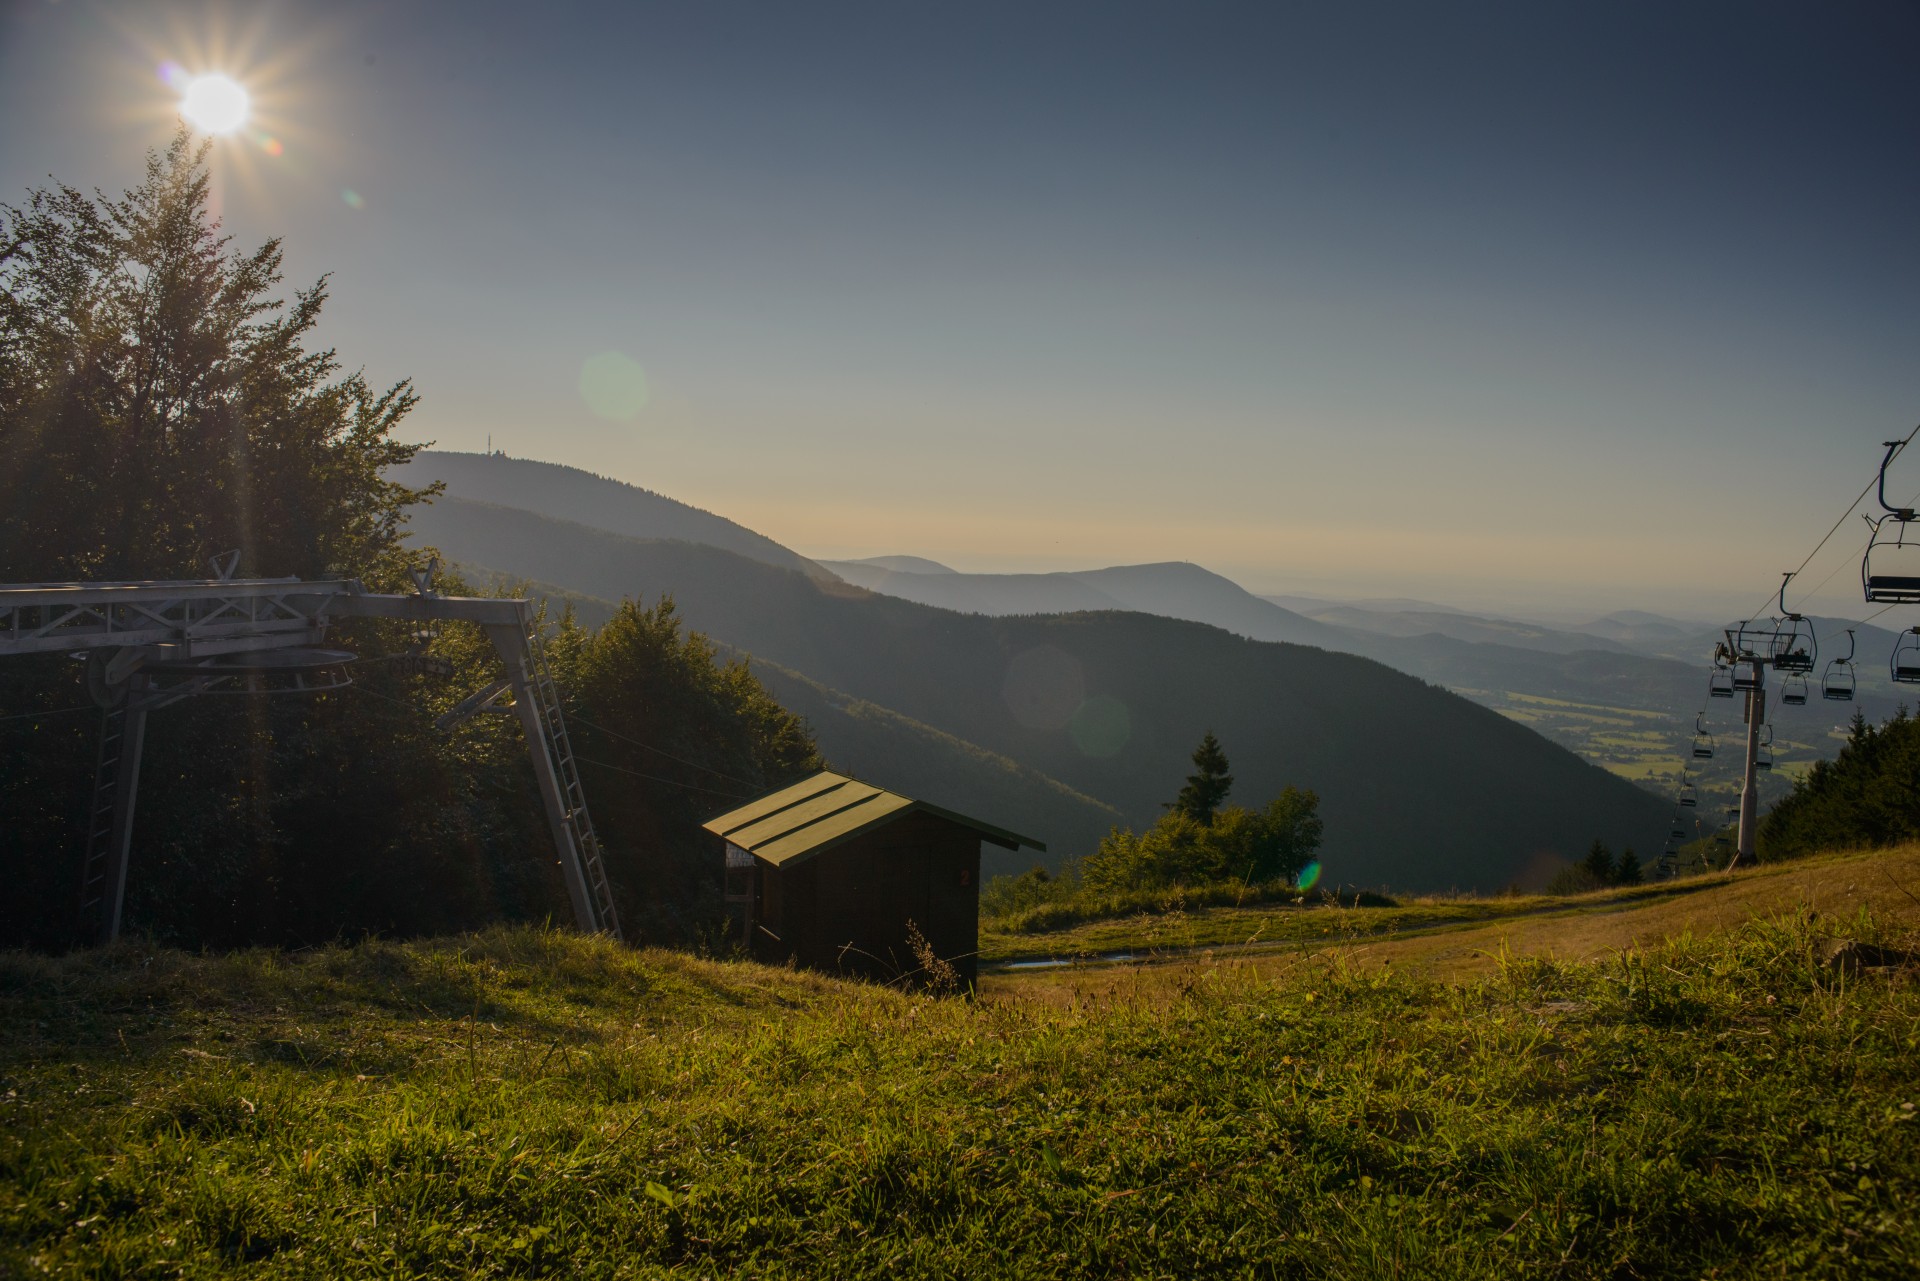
1628	872
1208	786
1599	861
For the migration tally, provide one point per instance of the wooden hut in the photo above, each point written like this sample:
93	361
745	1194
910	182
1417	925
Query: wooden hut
837	875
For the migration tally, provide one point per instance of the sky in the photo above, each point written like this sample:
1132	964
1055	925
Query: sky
1545	309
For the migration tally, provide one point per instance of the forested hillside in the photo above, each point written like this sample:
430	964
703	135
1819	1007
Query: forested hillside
1420	788
1869	795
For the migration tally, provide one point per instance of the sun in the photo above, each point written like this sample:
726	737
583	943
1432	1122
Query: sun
214	104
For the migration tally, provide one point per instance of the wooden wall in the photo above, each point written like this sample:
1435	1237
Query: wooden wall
846	911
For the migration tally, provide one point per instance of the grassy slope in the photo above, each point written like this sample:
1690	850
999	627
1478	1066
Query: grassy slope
520	1103
1456	937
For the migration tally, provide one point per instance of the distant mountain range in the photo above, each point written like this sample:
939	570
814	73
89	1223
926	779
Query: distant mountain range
1066	720
1173	589
1629	660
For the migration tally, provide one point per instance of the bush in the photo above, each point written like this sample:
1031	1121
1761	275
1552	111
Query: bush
1007	895
1239	846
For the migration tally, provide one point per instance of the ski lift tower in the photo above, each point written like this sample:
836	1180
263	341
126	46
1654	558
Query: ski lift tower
151	644
1786	644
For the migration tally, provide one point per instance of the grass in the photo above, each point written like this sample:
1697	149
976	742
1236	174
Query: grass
1463	936
520	1103
1183	926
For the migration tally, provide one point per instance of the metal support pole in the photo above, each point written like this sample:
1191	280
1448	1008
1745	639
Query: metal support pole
126	791
511	642
1744	854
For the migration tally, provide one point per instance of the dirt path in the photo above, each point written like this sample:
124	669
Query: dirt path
1886	883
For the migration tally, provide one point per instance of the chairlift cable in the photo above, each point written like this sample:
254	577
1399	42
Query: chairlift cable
58	711
585	760
1851	507
628	738
655	778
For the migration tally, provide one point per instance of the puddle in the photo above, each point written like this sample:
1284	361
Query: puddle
1059	963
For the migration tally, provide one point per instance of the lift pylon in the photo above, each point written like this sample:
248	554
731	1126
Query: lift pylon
153	643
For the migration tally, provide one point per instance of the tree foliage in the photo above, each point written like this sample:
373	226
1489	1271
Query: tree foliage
1207	786
1868	795
1254	846
159	405
670	735
1597	871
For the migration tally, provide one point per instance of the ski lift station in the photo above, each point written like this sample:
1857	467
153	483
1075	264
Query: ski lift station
836	875
149	645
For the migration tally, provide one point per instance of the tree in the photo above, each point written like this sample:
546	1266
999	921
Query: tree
671	735
1250	846
1599	862
1868	795
1628	872
158	405
1207	786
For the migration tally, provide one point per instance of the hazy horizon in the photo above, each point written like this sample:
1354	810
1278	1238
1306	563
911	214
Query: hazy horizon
1526	309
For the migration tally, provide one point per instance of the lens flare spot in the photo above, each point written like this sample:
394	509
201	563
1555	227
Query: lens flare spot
1309	876
1101	727
1044	687
271	145
614	386
353	199
213	104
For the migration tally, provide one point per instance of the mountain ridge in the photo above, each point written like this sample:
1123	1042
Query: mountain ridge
1421	788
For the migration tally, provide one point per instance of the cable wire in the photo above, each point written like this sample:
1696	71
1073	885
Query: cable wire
1843	515
58	711
628	738
655	778
586	760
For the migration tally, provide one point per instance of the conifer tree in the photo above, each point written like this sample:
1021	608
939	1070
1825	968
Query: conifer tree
1628	872
1207	786
1599	861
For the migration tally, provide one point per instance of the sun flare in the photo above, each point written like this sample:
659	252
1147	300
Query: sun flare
214	104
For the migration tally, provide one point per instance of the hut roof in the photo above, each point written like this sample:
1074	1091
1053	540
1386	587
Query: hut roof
818	813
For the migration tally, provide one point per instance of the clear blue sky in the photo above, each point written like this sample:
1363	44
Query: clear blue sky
1529	305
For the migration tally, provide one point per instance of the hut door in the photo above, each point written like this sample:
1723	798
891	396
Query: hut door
741	892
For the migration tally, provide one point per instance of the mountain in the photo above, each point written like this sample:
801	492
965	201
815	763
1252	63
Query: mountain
894	751
1311	605
1420	789
567	493
1465	627
903	564
891	750
1172	589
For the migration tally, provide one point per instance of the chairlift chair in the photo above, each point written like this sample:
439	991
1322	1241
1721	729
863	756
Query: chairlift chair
1689	796
1890	569
1746	676
1793	646
1794	692
1837	683
1720	683
1905	665
1702	742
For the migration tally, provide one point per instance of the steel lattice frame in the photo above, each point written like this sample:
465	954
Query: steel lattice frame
130	626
